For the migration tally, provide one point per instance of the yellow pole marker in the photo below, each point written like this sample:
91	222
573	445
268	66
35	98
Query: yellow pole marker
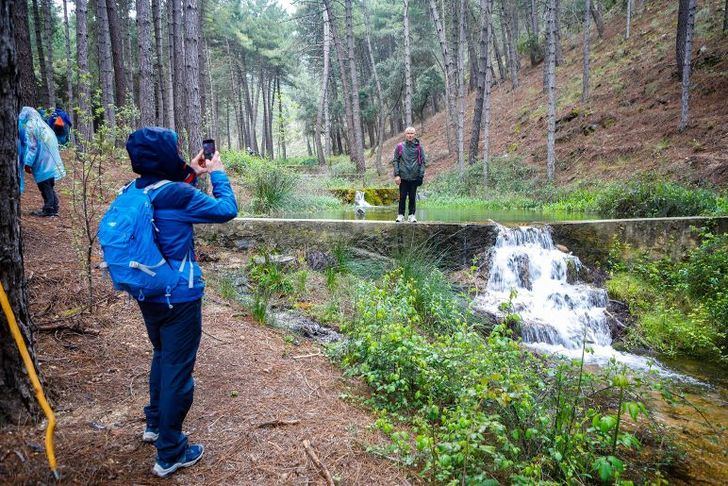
15	331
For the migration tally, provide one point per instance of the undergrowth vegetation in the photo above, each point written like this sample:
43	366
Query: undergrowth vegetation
470	408
681	306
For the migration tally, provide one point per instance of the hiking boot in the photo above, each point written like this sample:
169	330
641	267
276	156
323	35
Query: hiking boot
411	219
151	434
191	455
400	218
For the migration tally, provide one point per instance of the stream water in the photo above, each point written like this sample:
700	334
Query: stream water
559	314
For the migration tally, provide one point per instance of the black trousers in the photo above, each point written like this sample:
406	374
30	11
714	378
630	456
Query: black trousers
50	199
407	189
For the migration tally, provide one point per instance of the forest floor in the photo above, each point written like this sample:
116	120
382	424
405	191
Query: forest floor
259	394
629	125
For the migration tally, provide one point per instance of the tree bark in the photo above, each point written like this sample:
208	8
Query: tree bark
28	85
510	43
355	108
281	125
16	394
341	57
324	89
380	98
460	127
192	71
551	89
557	32
69	69
180	78
117	51
106	67
448	64
629	18
585	71
146	74
169	102
84	124
685	99
534	45
597	15
161	79
407	69
202	76
40	47
498	58
725	17
683	15
483	62
48	41
486	105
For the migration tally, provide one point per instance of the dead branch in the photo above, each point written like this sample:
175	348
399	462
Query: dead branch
319	465
278	423
303	356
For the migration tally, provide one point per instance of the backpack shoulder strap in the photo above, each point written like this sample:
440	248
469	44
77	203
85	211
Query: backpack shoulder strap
156	185
125	187
400	148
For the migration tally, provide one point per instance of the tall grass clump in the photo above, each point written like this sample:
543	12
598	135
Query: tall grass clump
482	409
681	307
271	186
649	199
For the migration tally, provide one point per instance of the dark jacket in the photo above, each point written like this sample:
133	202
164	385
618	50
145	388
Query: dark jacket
177	206
408	165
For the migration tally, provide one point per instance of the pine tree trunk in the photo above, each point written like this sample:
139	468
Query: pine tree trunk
725	17
551	89
69	69
16	394
121	64
355	108
40	47
169	102
460	127
486	104
483	62
683	15
281	125
685	99
534	46
498	58
180	74
407	69
192	71
378	85
629	18
341	57
449	67
324	89
84	124
146	74
510	42
202	76
597	15
585	73
28	85
161	80
106	67
48	42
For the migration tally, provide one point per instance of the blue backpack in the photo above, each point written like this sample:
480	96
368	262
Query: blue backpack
128	239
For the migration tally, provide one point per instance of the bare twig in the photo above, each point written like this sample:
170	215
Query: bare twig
319	465
278	423
303	356
619	323
215	337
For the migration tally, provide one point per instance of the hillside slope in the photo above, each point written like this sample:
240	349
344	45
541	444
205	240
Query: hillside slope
629	126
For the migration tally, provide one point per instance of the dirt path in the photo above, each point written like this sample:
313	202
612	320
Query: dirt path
250	380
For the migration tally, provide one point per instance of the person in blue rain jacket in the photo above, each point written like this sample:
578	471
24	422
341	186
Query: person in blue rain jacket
174	328
38	155
60	123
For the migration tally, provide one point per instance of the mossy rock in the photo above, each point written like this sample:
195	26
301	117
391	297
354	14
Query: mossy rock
376	196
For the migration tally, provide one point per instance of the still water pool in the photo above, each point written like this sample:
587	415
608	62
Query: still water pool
447	215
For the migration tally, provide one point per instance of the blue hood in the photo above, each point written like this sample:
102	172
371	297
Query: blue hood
154	156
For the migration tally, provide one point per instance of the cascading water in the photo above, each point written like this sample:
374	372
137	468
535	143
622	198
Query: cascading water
557	312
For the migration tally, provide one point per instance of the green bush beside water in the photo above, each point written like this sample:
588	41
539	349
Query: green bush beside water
482	409
681	307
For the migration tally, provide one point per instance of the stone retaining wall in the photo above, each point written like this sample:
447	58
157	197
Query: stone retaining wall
455	244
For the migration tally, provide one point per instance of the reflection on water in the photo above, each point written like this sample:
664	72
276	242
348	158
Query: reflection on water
447	215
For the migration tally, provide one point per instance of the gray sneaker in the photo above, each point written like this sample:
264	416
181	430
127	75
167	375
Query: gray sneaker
189	457
400	218
150	435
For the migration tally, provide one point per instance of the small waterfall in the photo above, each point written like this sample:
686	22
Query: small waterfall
557	312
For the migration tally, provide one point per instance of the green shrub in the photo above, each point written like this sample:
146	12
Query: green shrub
654	199
270	185
483	409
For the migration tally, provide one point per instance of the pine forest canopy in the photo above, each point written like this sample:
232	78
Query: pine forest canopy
316	77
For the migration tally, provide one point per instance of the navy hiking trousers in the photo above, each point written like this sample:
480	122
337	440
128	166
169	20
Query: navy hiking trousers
175	335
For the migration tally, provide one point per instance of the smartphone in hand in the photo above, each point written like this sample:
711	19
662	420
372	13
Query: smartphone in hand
208	149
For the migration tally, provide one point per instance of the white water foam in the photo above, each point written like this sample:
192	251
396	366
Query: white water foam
557	313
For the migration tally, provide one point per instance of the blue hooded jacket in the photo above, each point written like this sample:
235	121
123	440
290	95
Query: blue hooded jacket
38	148
177	206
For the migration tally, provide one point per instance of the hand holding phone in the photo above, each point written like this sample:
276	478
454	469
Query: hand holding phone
208	148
